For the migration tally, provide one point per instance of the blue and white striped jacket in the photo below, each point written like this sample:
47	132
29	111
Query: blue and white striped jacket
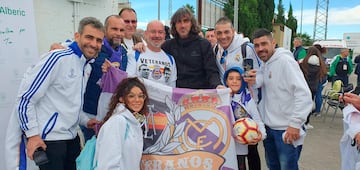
50	96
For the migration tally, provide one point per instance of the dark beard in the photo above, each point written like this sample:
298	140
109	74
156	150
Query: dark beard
112	44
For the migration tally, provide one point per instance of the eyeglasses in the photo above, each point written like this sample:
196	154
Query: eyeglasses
133	96
130	21
222	59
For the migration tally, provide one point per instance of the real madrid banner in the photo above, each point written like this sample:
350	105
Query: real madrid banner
188	129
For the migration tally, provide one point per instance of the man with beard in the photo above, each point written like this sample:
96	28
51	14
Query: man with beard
50	96
154	58
195	60
285	105
111	50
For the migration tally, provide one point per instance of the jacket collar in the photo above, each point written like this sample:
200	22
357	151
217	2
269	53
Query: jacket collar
74	46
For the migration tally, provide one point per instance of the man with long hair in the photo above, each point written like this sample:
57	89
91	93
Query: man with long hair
195	60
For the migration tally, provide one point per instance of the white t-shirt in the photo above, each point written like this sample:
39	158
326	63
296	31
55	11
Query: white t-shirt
156	66
129	44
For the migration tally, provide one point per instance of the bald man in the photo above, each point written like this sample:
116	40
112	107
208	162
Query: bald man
111	50
161	66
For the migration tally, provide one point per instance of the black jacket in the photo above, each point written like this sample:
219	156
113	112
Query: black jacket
195	62
312	78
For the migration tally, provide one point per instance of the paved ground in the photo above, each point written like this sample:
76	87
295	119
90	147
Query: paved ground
321	148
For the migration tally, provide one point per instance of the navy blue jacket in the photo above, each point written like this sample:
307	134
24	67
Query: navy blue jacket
92	92
357	61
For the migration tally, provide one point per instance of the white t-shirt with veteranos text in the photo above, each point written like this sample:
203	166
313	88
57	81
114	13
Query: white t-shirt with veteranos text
156	66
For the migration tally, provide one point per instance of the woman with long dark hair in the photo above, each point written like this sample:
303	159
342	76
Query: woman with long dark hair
120	140
314	70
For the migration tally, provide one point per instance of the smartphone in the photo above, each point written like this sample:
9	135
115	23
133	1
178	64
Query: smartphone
248	65
40	157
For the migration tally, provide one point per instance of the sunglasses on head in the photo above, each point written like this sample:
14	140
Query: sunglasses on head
130	21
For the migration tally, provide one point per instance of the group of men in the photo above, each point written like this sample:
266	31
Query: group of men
47	95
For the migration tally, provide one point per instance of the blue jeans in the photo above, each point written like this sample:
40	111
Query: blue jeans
278	155
318	97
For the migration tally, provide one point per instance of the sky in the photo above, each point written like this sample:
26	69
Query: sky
343	15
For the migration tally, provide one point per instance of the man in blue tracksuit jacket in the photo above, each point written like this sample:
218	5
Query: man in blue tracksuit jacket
49	103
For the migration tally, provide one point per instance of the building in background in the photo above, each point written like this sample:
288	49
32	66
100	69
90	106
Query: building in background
211	11
353	42
282	35
57	21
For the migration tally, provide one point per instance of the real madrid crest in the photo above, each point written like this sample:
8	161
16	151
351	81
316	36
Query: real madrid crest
270	75
237	57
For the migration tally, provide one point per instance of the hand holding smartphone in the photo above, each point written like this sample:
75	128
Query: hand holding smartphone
248	65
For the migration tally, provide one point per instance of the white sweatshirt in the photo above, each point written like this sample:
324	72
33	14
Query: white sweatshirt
234	56
286	98
350	156
119	144
50	98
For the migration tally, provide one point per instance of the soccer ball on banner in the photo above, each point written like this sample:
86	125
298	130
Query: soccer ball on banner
245	129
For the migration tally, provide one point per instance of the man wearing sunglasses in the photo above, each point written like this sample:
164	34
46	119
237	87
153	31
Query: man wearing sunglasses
130	20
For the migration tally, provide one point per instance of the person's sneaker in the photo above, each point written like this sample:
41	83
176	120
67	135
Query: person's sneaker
308	126
316	114
313	111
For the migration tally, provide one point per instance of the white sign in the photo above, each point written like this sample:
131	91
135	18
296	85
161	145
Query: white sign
18	50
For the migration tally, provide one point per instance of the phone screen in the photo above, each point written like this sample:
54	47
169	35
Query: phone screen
248	64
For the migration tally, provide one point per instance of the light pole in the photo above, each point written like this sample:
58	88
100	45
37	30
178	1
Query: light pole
301	18
159	10
236	14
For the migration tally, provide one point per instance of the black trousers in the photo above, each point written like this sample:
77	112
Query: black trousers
241	162
62	154
253	158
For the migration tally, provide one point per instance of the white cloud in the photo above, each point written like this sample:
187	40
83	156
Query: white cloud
344	16
143	25
336	16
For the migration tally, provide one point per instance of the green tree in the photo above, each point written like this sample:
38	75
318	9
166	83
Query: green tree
280	17
266	13
306	39
291	22
229	9
190	7
248	16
